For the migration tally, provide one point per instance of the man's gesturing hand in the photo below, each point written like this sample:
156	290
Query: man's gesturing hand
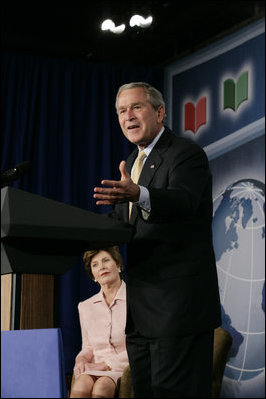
117	191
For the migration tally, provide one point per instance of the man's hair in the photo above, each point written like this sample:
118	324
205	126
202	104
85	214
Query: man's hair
113	251
154	96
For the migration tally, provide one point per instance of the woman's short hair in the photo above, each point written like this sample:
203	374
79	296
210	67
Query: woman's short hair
113	251
154	96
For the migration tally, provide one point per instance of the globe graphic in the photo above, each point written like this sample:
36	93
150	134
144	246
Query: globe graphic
239	241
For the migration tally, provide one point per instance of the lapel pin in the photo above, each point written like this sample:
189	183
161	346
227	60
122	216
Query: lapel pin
152	166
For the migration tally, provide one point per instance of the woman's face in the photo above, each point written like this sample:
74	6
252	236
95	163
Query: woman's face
104	268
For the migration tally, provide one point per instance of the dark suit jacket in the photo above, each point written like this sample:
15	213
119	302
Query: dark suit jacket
171	273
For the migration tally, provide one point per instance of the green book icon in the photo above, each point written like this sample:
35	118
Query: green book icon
235	94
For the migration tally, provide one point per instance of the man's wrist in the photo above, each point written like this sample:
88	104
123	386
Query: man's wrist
136	197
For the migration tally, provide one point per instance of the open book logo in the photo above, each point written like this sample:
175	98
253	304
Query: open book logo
195	116
235	93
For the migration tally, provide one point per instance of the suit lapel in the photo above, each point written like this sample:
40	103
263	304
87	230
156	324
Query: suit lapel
155	159
151	165
131	160
129	163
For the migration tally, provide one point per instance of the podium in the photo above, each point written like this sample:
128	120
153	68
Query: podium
41	238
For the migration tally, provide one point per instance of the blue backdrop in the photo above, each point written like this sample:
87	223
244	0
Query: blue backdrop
60	115
234	140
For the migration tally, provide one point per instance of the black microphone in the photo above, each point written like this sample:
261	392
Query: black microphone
16	173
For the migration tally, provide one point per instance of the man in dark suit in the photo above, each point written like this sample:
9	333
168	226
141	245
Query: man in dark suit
173	301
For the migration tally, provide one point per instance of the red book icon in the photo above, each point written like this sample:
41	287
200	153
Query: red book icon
195	116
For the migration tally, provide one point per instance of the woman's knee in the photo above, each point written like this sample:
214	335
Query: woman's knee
82	386
104	387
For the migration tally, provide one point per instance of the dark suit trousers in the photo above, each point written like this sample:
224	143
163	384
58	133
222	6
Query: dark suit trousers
171	367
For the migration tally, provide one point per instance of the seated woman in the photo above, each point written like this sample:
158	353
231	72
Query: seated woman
102	319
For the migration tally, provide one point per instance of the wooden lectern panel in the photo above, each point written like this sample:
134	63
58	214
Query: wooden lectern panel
28	304
37	301
6	301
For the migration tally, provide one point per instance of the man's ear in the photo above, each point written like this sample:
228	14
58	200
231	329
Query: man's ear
160	113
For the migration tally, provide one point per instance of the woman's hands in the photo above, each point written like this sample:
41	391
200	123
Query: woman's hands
82	365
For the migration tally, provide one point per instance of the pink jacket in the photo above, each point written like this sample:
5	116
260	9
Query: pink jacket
103	330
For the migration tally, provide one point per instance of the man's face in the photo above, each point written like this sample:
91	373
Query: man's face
139	121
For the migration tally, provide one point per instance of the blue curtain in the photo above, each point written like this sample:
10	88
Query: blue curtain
60	115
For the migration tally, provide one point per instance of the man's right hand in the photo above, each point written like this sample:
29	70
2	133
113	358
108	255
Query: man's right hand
118	191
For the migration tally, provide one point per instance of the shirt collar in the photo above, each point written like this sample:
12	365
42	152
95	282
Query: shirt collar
148	149
121	294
